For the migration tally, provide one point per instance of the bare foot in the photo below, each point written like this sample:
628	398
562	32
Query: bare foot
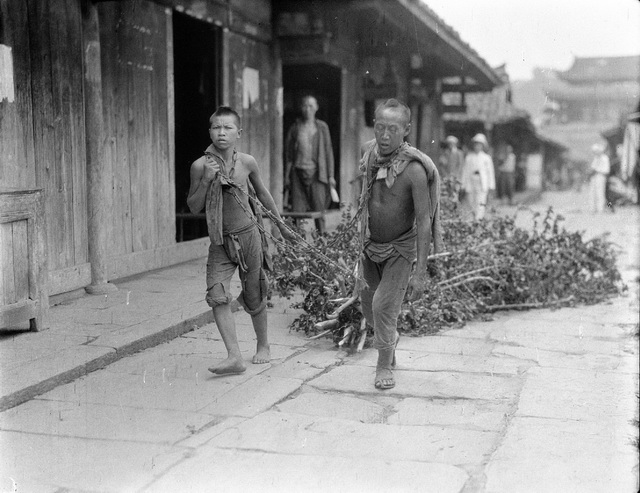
262	356
384	379
230	366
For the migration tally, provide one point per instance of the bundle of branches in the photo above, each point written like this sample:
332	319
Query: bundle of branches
490	265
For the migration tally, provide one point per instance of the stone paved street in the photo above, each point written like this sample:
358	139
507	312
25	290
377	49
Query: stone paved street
535	401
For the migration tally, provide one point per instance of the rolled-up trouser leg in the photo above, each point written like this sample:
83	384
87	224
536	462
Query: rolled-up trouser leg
386	296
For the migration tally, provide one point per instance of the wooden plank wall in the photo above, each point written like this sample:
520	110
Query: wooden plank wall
133	37
58	122
17	168
248	53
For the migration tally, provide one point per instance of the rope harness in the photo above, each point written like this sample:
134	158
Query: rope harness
301	240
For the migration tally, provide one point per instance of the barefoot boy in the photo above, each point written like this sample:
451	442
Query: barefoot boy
400	219
220	182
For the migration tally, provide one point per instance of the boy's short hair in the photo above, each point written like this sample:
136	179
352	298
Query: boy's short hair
226	111
395	104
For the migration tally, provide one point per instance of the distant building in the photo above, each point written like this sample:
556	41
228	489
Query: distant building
595	90
541	159
576	106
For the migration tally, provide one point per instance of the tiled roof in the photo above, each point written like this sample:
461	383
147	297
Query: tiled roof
603	69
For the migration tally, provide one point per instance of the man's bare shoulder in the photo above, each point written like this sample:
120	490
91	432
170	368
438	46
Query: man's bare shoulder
248	161
199	163
415	172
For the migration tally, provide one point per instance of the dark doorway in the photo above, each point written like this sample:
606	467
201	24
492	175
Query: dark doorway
197	92
324	83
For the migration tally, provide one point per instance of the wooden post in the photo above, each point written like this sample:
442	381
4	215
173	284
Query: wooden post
97	193
276	114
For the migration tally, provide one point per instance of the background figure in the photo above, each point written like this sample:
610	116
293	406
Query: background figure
309	166
478	176
599	171
507	174
452	159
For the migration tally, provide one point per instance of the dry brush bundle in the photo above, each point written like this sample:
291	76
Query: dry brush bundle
490	265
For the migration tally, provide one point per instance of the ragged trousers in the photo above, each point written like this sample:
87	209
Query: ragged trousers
382	298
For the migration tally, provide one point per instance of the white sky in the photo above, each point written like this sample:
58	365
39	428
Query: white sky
526	34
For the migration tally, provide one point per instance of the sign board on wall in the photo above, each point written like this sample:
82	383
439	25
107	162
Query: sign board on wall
250	86
6	74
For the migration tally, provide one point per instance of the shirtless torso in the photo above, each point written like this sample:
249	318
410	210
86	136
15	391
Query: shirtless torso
392	210
235	217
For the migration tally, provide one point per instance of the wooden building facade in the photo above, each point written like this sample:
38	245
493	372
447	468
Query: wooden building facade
110	106
105	104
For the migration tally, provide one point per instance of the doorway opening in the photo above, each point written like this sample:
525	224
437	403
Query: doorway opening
324	82
197	76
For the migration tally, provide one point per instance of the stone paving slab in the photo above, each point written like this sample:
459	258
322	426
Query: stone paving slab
424	360
45	463
556	323
22	348
101	421
287	434
359	380
447	345
578	394
188	357
146	391
552	455
322	404
304	364
239	470
252	397
622	362
20	383
473	415
33	372
569	344
216	426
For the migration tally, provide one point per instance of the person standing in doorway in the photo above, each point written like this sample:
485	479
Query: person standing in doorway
309	164
599	169
478	176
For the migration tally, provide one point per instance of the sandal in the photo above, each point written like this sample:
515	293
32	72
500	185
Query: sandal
384	379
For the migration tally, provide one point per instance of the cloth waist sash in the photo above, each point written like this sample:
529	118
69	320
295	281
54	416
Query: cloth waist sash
405	245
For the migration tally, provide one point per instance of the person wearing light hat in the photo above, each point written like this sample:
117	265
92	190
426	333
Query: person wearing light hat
600	168
478	176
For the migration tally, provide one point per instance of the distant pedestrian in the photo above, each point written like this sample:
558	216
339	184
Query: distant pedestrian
309	166
452	159
507	174
221	182
598	182
478	176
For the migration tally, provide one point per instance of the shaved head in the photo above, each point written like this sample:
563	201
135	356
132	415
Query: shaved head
394	104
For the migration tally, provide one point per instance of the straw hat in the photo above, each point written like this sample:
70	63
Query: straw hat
451	139
480	138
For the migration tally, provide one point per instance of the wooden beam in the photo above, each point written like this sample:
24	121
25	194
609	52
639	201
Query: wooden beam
97	196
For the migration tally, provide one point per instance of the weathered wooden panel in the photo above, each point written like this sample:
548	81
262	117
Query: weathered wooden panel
56	62
249	73
16	125
23	263
133	40
6	256
69	279
115	107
